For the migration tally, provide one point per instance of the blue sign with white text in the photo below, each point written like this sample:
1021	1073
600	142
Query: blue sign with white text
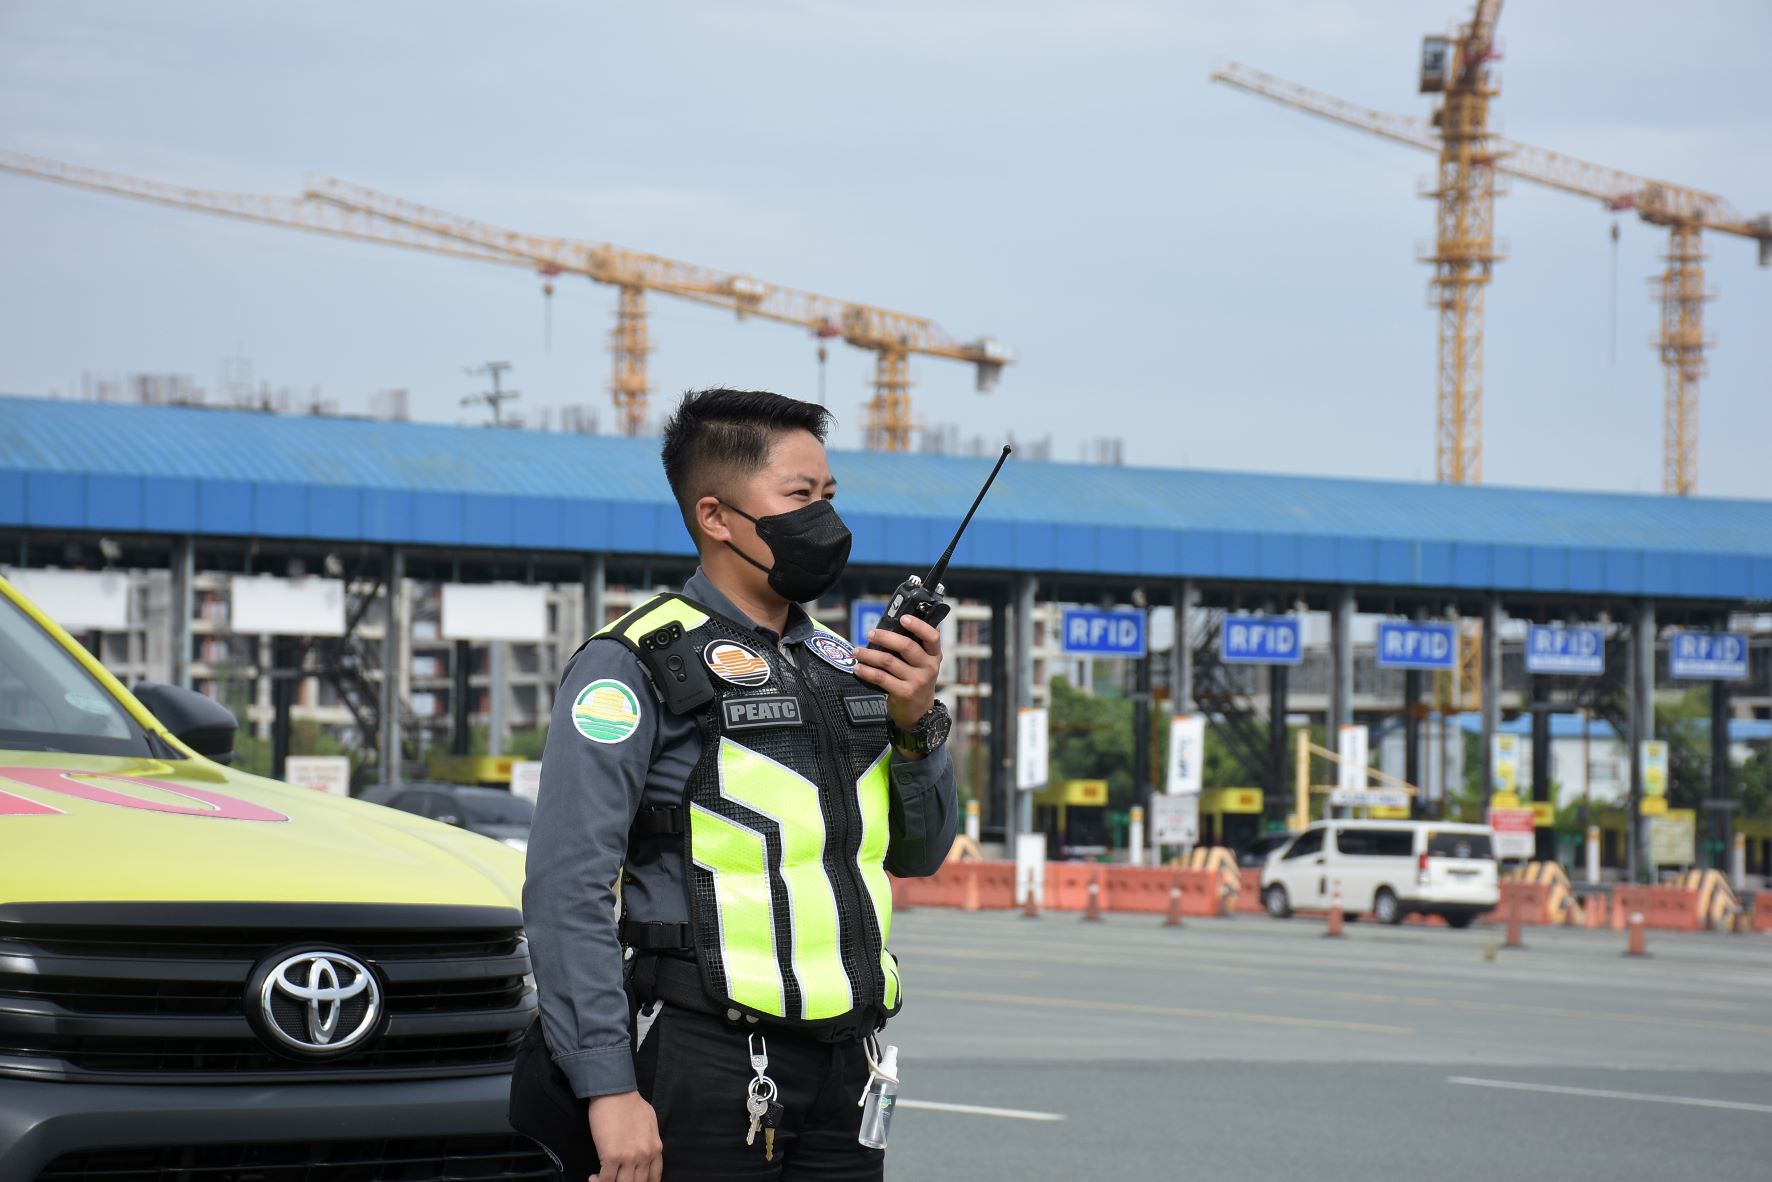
1580	651
1092	633
864	617
1405	644
1714	656
1260	640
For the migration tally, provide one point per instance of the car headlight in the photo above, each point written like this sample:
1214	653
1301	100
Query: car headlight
520	844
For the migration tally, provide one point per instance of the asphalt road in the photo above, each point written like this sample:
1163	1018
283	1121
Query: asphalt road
1251	1048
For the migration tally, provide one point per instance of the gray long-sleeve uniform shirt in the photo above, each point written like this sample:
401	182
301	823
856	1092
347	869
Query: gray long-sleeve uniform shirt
590	793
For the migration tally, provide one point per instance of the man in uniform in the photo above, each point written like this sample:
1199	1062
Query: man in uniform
751	779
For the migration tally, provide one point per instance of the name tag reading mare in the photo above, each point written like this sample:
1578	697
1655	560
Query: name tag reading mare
750	714
866	708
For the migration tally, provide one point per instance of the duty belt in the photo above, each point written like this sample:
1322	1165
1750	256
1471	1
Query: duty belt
677	982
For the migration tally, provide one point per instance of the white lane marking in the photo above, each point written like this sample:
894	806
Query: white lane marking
975	1110
1602	1094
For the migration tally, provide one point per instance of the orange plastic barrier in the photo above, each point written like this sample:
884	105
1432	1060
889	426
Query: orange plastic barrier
1127	889
1668	908
1249	898
1535	903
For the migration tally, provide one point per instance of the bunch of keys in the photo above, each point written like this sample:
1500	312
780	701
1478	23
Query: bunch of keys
760	1103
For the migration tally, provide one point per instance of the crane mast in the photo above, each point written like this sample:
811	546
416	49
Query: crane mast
1464	248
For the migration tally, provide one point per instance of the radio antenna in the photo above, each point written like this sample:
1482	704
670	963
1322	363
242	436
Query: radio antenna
941	567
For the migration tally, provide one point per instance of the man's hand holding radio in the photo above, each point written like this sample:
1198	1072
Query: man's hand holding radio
904	666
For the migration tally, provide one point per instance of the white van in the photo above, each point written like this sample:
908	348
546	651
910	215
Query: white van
1390	868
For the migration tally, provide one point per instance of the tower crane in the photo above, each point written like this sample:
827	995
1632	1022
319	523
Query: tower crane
1464	248
343	210
1685	212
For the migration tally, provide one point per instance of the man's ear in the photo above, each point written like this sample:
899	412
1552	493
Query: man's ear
710	520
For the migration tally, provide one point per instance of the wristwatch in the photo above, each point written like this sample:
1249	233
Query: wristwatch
928	735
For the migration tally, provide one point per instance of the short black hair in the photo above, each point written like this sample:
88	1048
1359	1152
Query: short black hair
718	436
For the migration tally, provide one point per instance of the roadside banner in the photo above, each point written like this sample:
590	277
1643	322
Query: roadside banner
526	778
330	774
1507	763
1030	748
1654	754
1513	832
1175	819
1187	754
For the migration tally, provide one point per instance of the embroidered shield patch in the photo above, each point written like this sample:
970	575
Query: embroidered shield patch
832	651
735	664
606	711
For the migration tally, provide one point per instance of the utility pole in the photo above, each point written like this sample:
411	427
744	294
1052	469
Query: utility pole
496	397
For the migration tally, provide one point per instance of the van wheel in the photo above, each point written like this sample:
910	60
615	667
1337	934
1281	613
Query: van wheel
1385	908
1460	919
1278	905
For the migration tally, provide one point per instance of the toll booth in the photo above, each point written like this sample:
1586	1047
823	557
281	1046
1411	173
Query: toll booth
1073	816
485	771
1230	816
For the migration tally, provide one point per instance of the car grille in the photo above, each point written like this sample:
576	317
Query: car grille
156	992
407	1159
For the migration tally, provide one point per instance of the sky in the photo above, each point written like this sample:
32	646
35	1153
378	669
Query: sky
1213	279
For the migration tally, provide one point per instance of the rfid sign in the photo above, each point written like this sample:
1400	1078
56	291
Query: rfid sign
864	616
1092	633
1577	651
1712	656
1405	645
1260	640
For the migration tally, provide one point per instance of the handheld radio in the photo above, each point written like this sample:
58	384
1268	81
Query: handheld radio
921	597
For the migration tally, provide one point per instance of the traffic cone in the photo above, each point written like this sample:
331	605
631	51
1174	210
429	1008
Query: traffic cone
970	903
1335	916
1636	947
1030	906
1173	920
1092	913
1514	939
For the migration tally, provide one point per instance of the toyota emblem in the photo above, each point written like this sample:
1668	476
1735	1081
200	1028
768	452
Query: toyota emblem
318	1002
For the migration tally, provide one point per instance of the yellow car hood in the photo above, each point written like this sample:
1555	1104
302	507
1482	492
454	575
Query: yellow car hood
100	828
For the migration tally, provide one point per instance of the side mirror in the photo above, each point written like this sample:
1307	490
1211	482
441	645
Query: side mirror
200	723
449	819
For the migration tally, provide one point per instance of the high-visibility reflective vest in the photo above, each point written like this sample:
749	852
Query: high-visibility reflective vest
785	825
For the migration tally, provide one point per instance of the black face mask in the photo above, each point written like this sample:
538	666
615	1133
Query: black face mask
811	548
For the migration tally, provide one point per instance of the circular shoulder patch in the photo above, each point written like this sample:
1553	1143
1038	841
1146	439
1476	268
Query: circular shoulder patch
734	663
606	711
832	651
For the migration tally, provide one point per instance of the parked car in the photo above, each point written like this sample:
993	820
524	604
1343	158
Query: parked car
1392	869
205	973
490	812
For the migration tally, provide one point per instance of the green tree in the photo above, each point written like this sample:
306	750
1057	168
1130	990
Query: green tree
1090	738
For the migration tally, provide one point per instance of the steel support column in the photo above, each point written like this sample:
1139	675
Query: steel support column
1000	711
1642	727
596	583
1025	588
1276	792
461	657
1181	678
1412	741
182	608
1544	836
1491	692
495	697
1341	658
393	661
1719	817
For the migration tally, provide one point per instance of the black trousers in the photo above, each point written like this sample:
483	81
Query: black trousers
695	1070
